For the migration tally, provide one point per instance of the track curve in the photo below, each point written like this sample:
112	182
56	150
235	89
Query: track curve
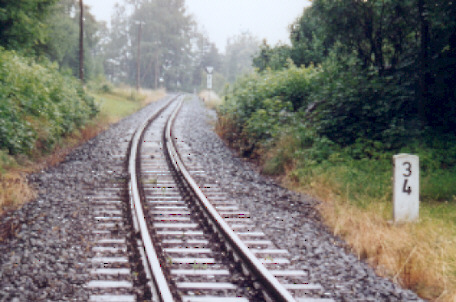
192	251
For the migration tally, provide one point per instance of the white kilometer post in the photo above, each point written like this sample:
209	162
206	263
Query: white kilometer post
209	81
406	188
209	70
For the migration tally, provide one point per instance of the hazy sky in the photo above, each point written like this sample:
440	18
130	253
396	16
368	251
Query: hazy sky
221	19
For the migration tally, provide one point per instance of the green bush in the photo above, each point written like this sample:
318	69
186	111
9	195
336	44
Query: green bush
260	104
353	103
263	123
337	120
38	104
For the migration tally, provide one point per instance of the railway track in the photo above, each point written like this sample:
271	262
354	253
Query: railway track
189	241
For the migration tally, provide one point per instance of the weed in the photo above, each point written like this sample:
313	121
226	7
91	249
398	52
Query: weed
151	181
269	258
169	260
195	265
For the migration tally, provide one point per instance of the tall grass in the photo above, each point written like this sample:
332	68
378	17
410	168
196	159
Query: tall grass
356	203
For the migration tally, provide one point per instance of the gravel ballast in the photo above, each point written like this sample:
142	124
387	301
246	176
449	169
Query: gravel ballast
47	257
290	220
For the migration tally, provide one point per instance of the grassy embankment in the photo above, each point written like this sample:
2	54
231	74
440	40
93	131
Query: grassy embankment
47	144
123	101
353	182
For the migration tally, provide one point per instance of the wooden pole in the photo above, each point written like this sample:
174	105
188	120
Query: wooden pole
157	70
81	41
138	68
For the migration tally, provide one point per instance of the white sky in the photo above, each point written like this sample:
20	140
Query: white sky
221	19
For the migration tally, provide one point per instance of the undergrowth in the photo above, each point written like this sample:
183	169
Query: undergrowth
328	132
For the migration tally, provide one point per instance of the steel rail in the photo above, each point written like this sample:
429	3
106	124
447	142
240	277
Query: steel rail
269	284
159	279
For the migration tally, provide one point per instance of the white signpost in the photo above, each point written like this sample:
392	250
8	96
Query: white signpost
406	188
209	70
209	81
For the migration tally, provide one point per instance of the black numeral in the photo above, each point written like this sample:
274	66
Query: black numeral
409	169
405	188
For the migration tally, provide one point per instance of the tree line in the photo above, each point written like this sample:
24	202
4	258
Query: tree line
153	43
405	51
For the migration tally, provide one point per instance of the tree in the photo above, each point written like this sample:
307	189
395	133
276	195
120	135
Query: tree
437	64
117	51
410	40
274	58
22	23
204	53
310	42
62	43
376	30
239	54
165	46
165	42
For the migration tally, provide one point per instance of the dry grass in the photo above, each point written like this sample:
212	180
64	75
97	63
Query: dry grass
419	256
152	95
210	99
226	128
15	188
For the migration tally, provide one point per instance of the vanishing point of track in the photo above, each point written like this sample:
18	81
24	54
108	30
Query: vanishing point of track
195	244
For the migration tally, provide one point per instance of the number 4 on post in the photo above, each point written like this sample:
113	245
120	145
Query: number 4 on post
405	188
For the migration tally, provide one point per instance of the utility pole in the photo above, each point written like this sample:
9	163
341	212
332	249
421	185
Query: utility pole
81	41
157	70
138	68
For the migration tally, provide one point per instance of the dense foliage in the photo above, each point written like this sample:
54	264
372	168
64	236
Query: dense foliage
22	23
382	75
38	104
361	81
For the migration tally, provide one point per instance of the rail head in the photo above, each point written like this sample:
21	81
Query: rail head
269	283
159	279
